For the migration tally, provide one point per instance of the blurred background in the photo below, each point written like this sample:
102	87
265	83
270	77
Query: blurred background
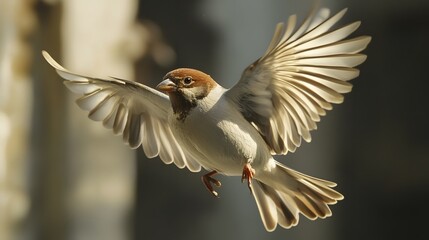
63	176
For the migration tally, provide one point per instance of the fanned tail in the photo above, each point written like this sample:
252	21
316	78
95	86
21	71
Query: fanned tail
283	193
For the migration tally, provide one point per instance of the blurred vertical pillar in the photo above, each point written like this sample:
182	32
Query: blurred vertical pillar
97	39
45	165
17	22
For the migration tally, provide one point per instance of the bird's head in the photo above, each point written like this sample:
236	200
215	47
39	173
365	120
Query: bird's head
188	82
185	87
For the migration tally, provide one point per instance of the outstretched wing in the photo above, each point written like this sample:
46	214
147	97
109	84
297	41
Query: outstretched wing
134	110
284	93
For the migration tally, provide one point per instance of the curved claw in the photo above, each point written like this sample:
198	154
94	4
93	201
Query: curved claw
208	181
248	173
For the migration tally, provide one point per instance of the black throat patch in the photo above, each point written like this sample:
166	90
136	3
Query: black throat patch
181	105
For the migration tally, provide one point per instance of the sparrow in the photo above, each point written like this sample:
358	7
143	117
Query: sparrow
192	121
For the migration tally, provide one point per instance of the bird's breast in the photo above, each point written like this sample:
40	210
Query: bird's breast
220	137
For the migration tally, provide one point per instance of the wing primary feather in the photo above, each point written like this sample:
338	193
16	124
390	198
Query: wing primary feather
109	121
120	119
320	17
349	46
303	28
318	30
308	104
151	142
132	131
91	100
340	73
291	23
328	38
103	108
276	37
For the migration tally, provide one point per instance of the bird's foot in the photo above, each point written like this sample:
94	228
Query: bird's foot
248	173
208	181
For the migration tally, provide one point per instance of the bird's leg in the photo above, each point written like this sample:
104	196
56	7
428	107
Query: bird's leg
208	181
248	173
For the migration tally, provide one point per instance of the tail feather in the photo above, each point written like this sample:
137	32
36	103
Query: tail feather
275	207
282	193
305	208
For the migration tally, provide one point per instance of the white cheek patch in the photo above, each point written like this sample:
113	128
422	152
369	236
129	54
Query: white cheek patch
193	93
188	93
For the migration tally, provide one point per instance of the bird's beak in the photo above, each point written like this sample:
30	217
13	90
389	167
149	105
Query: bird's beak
167	86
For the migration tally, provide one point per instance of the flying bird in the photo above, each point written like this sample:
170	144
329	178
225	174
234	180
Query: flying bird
192	121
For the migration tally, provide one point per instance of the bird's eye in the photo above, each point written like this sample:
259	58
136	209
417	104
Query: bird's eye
187	80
